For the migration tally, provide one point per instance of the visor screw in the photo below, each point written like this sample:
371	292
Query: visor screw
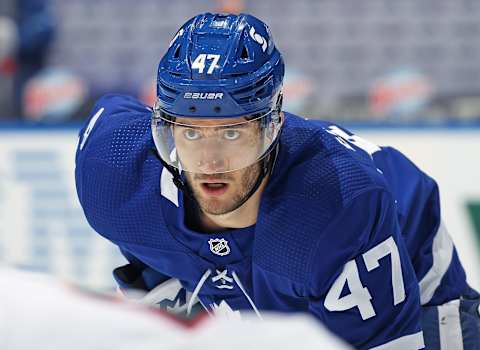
192	109
217	109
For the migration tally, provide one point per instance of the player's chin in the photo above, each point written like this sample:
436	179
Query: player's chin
215	205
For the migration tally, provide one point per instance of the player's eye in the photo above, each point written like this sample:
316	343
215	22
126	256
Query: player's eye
231	135
191	134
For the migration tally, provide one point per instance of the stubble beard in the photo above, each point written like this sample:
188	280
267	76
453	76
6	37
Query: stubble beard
241	189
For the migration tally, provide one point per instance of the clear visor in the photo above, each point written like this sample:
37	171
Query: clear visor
212	146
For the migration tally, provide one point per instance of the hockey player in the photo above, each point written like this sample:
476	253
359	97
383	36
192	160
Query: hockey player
242	206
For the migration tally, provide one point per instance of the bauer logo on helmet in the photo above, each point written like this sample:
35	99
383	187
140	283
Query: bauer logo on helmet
203	95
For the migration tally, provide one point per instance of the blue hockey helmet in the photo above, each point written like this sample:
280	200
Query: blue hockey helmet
222	68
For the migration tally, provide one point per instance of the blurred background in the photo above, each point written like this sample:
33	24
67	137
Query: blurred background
404	73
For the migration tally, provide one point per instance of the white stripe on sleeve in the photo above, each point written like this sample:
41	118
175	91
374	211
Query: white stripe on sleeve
450	326
442	251
168	188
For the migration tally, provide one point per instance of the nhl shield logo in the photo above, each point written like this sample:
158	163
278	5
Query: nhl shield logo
219	246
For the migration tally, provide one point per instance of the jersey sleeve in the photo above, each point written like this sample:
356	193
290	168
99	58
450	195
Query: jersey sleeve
105	139
363	285
115	165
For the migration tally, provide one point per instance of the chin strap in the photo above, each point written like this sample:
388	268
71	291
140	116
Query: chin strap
177	178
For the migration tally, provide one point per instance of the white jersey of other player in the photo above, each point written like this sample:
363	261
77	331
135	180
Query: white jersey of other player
38	312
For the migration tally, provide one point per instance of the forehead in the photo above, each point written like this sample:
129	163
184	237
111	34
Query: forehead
210	122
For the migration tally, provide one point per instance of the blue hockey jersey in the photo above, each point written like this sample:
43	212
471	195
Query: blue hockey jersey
347	231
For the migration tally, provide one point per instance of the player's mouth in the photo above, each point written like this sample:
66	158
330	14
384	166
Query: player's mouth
214	188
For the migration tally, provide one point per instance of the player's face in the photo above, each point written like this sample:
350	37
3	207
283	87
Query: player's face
213	147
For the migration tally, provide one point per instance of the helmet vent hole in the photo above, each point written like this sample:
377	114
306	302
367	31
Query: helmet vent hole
176	54
260	92
192	109
244	55
217	109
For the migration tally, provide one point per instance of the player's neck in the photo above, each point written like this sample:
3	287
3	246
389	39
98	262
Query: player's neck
244	216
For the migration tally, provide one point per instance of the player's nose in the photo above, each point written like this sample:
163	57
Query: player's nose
212	160
212	166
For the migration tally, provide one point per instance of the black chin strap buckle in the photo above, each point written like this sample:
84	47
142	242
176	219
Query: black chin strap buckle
177	179
178	182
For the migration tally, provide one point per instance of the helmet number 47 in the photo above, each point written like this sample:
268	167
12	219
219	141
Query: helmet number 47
199	62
